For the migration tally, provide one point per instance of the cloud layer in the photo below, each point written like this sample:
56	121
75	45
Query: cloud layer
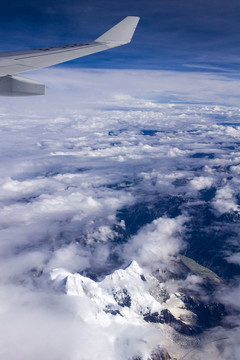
101	172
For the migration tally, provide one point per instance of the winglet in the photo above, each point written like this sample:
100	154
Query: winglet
121	33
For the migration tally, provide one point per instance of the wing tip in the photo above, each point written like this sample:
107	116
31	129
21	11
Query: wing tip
121	33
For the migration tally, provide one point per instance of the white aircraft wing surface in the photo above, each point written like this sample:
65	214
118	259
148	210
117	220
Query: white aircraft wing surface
13	63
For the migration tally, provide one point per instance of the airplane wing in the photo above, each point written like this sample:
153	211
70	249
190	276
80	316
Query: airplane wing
13	63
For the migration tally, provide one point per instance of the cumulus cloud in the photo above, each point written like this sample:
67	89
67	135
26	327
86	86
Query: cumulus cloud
225	200
201	182
155	243
235	258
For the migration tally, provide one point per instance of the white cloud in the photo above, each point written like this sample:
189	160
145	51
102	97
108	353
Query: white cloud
201	182
225	201
235	258
156	242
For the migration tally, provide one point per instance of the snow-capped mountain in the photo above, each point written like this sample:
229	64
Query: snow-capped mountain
124	293
135	296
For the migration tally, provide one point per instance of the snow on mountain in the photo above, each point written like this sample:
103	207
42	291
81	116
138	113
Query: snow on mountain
125	294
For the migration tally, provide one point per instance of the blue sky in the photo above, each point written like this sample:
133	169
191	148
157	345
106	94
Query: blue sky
172	34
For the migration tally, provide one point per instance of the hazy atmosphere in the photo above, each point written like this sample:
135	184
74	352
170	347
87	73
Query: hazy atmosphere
119	189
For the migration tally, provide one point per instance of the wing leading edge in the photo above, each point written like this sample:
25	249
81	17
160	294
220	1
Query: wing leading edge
13	63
